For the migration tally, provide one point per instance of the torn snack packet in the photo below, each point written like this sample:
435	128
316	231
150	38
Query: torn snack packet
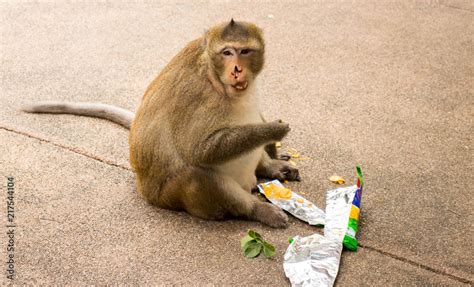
290	201
338	207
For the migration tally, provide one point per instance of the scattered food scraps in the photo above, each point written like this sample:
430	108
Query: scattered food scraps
337	179
294	154
253	244
291	153
272	190
292	202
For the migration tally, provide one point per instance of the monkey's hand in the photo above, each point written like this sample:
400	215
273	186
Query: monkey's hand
281	170
277	129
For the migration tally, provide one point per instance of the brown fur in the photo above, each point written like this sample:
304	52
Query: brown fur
183	130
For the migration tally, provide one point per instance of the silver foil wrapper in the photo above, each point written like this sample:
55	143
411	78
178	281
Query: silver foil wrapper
298	206
314	260
338	207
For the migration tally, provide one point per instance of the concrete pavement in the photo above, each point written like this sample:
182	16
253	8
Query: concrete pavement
386	85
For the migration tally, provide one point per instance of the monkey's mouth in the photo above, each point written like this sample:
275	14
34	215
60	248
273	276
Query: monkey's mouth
240	86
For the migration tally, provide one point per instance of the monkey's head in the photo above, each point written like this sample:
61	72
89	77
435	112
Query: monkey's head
236	52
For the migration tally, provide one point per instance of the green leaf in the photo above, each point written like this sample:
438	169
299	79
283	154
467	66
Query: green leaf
245	240
253	243
252	249
268	250
254	234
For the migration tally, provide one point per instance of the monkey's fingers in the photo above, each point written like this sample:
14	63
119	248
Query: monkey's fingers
285	157
278	130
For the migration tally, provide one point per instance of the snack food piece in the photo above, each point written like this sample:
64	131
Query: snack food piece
337	179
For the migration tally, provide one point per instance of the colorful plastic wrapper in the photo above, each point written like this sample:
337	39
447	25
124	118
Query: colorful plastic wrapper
350	240
292	202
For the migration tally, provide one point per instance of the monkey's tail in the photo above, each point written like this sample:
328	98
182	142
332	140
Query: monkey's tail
108	112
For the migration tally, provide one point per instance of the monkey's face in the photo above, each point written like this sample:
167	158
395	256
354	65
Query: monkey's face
240	64
237	54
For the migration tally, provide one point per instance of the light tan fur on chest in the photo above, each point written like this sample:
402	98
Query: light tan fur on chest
242	169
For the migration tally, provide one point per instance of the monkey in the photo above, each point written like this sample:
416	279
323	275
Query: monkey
197	140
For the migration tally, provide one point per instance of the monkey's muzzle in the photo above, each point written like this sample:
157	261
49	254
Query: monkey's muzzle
240	86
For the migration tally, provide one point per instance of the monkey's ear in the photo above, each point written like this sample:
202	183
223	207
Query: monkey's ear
204	39
232	22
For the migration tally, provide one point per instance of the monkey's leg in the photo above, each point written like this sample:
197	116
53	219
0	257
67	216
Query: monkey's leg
274	168
272	152
209	195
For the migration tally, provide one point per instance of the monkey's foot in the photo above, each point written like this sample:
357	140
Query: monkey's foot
282	171
271	215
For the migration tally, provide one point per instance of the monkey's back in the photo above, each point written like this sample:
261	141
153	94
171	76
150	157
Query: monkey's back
172	116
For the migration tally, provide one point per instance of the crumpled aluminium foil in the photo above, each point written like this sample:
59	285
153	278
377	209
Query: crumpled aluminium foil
305	211
314	260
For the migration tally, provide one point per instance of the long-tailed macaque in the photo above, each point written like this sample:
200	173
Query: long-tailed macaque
197	140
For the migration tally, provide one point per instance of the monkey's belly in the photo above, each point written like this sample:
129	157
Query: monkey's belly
242	169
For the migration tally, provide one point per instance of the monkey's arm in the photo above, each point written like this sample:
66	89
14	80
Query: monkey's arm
227	143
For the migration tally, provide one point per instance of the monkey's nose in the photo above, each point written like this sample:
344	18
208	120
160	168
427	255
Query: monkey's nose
236	72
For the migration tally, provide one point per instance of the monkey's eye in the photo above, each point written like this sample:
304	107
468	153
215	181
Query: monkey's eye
227	53
245	51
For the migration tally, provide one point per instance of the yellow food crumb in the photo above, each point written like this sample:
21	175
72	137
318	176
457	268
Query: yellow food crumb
337	179
274	191
300	200
267	189
296	155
